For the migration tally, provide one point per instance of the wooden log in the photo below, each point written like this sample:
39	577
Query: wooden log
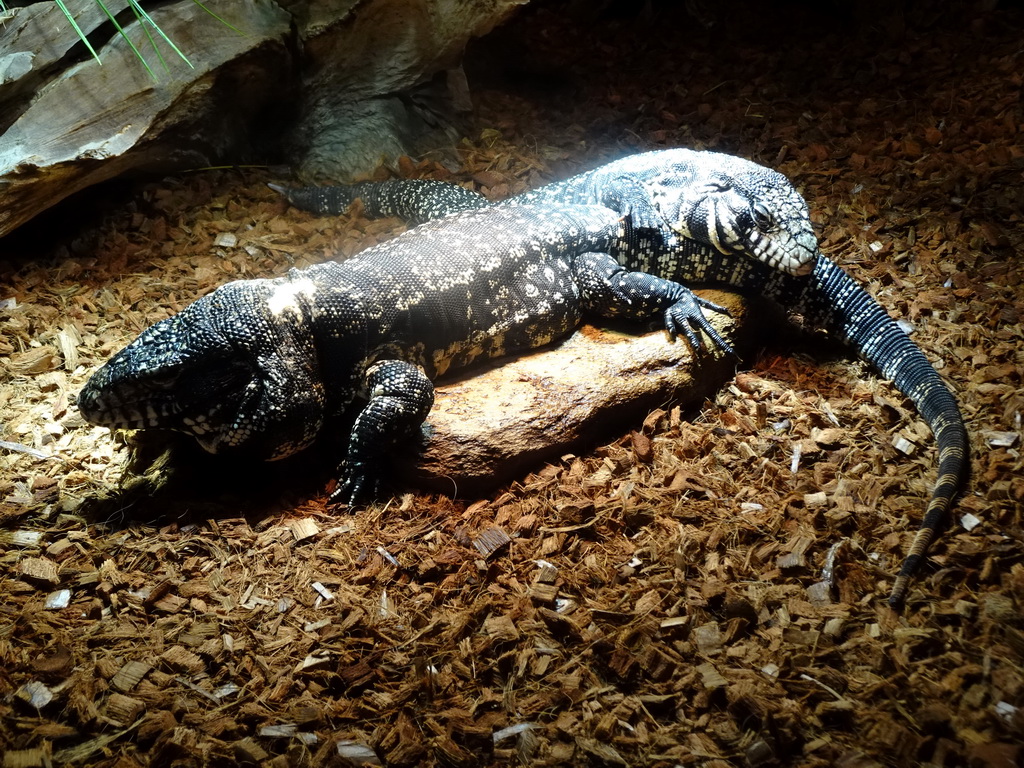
34	40
496	425
93	122
67	123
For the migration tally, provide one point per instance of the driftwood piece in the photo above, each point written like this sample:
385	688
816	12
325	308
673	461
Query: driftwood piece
338	85
33	39
95	121
497	425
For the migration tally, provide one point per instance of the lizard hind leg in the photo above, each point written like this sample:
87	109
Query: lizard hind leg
399	398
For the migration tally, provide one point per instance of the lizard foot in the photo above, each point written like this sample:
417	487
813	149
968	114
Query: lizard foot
356	485
686	317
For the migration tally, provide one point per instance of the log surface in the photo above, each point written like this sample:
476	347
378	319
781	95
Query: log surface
494	426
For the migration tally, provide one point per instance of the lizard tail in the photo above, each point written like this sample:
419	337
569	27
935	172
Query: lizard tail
876	336
412	200
322	201
953	471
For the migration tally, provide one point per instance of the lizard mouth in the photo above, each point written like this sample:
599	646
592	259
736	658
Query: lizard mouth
150	413
793	258
197	405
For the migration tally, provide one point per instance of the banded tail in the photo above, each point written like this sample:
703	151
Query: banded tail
846	309
413	200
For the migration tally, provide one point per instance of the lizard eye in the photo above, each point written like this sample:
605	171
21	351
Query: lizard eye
763	218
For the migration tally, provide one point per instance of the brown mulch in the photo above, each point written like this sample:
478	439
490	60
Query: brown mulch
661	600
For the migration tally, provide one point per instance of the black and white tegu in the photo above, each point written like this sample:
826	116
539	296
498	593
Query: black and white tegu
707	217
259	366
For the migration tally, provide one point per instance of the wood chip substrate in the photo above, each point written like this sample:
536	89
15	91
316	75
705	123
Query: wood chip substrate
701	586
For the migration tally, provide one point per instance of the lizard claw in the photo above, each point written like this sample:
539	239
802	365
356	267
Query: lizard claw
686	316
712	306
355	485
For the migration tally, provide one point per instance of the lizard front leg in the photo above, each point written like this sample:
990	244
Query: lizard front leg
399	398
611	290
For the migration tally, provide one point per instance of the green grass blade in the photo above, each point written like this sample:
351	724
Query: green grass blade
140	10
78	31
218	18
145	21
133	4
121	32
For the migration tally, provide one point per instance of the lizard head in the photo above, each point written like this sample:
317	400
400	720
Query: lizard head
737	206
225	370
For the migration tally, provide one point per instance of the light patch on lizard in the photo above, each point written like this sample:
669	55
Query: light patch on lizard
285	297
